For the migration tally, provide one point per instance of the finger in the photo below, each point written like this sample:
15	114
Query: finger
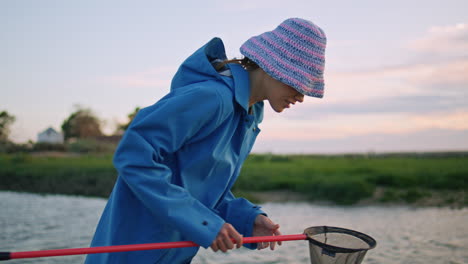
214	246
262	245
238	238
223	239
269	224
278	233
234	236
228	242
274	227
221	245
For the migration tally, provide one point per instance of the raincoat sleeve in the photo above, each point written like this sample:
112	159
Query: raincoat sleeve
164	128
240	213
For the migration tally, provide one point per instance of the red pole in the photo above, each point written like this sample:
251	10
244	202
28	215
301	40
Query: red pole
135	247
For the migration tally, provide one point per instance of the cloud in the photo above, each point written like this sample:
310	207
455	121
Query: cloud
338	126
413	104
427	140
434	64
437	78
446	40
452	74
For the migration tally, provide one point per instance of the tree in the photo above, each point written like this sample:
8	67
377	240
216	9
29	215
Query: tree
131	116
5	121
81	124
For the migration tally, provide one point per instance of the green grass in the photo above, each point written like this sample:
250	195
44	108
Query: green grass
91	175
341	179
348	179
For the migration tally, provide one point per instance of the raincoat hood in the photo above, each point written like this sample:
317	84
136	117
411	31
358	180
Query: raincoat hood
197	67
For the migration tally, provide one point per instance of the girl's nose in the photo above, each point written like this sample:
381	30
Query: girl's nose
299	97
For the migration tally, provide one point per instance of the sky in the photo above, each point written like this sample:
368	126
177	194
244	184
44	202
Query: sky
396	74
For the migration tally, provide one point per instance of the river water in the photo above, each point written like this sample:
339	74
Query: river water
403	234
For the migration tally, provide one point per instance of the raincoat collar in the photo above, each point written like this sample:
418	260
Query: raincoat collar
241	85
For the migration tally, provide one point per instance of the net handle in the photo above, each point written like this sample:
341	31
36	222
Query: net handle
134	247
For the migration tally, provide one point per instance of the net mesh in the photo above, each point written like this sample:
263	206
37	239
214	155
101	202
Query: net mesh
334	245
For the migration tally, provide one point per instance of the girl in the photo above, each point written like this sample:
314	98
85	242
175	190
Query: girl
180	157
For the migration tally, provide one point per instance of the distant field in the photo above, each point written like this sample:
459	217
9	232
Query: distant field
350	178
345	179
89	175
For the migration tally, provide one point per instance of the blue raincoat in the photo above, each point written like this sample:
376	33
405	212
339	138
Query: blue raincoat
177	163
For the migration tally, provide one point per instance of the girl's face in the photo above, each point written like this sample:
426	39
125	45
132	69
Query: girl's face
280	95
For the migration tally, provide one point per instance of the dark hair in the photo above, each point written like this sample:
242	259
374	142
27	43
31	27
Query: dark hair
247	63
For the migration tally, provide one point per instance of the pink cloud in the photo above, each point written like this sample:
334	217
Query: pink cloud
342	126
446	40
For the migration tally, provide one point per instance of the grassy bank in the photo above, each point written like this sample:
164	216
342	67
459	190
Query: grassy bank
345	179
89	175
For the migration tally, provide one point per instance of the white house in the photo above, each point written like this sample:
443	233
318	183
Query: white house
50	135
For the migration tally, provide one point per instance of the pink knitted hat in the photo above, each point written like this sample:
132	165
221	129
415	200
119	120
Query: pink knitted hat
293	53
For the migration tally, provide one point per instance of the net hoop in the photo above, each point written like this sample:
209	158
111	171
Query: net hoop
315	230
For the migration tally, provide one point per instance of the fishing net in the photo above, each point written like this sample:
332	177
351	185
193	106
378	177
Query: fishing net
334	245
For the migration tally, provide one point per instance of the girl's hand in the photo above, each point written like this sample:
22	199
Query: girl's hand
223	240
263	226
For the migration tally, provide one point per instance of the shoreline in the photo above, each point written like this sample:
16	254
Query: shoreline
285	196
454	200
